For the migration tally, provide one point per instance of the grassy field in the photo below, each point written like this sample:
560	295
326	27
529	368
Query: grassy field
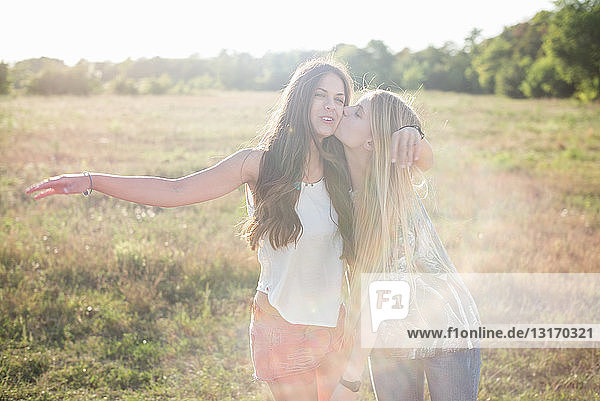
103	299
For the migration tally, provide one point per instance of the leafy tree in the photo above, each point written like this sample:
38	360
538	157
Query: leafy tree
106	71
23	72
573	40
509	77
413	77
155	86
358	62
553	54
445	68
470	50
489	61
236	71
379	61
3	78
471	41
58	80
502	62
543	80
275	69
124	86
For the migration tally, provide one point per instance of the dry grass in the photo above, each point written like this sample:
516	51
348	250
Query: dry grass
100	298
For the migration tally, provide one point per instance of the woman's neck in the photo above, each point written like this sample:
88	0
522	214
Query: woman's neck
358	160
314	165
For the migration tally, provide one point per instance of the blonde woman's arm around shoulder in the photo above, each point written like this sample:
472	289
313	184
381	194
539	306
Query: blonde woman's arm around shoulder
211	183
424	158
409	149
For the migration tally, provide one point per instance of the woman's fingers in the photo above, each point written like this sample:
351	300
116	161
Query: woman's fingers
395	144
410	150
36	187
50	186
404	143
65	184
400	147
45	193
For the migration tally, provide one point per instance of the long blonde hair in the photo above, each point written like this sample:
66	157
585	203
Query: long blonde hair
389	209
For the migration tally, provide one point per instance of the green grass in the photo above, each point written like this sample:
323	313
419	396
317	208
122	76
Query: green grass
103	299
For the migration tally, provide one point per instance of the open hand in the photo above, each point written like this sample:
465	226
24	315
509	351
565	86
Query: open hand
65	184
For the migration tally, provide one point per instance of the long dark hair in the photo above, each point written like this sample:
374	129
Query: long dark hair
286	143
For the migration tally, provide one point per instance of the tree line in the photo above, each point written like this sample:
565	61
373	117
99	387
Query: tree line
554	54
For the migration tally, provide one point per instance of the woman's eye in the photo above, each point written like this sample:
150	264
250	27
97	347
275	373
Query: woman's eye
340	100
319	94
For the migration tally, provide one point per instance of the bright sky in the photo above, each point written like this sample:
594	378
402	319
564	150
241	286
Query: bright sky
117	29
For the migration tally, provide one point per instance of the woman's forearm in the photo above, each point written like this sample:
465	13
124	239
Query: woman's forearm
364	341
152	191
210	183
202	186
356	363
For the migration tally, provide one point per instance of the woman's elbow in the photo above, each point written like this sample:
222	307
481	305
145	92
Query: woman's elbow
425	163
425	160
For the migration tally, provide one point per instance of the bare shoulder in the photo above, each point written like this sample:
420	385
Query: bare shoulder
251	164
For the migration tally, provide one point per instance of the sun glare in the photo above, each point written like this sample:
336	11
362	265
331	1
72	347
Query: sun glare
71	30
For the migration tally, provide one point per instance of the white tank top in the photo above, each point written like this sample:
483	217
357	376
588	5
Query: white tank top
304	281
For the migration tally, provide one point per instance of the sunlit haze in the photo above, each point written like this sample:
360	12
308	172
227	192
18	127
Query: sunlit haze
115	30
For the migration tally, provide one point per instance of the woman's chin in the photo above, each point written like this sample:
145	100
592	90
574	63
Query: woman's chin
339	135
324	134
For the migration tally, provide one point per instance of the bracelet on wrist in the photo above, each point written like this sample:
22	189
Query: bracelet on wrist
415	126
88	191
352	386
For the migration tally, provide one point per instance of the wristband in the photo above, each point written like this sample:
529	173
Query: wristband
88	192
415	126
352	386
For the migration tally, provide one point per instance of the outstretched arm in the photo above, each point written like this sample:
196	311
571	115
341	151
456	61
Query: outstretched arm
211	183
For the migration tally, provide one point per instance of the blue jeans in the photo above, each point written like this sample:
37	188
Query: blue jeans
453	376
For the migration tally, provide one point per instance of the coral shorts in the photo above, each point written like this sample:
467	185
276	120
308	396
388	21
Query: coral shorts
286	352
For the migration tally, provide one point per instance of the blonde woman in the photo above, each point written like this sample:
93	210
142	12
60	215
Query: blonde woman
301	223
394	235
